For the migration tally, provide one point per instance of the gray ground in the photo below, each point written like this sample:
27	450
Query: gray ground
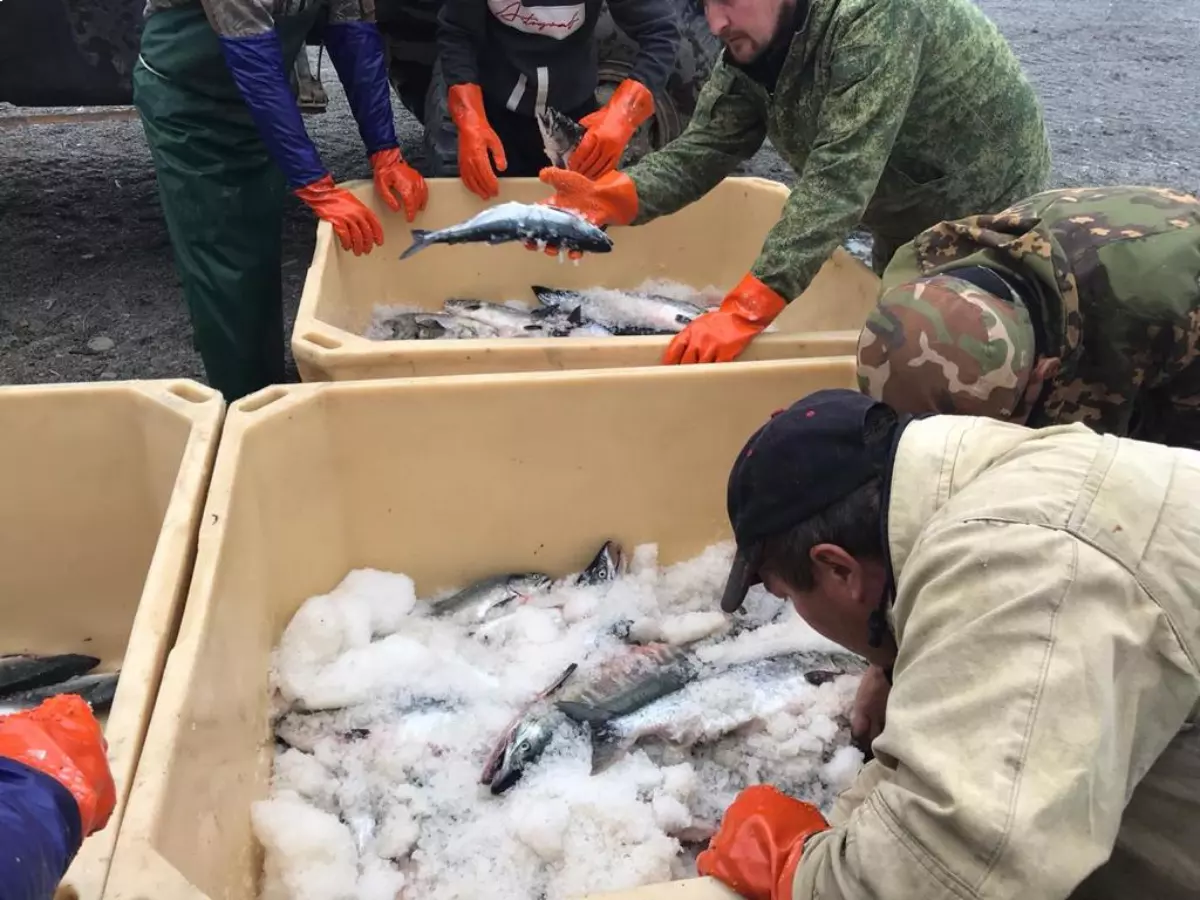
85	252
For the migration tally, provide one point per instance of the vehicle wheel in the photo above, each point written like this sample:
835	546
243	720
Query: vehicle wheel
441	137
673	106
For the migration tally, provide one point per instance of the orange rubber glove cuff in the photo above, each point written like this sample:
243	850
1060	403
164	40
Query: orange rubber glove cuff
633	103
758	847
61	738
723	334
394	176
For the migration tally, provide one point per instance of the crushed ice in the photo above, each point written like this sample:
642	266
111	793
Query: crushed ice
385	716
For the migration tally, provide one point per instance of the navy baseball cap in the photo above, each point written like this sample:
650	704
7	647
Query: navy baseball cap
802	461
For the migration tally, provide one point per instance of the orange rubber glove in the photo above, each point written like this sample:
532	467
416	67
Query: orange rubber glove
62	739
475	140
757	848
609	200
610	128
394	176
356	226
722	335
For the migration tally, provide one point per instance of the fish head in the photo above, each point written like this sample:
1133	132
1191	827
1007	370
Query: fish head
520	748
524	586
606	566
560	135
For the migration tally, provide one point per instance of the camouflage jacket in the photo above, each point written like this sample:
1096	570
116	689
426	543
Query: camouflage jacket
893	113
1115	276
245	18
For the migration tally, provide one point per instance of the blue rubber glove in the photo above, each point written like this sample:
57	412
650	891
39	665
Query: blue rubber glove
356	50
40	832
256	64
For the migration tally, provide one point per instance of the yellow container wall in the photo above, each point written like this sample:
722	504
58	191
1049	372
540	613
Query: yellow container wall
443	479
101	489
712	242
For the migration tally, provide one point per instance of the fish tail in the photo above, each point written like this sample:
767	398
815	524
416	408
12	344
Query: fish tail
420	238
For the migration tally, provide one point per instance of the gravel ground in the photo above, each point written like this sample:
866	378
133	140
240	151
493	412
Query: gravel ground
88	289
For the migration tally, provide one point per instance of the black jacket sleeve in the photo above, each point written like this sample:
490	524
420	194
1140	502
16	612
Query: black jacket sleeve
654	26
461	30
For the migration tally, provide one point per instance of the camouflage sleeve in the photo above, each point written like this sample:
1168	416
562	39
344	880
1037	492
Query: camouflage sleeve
875	66
728	126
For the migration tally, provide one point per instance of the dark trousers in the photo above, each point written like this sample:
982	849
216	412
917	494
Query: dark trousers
522	139
221	194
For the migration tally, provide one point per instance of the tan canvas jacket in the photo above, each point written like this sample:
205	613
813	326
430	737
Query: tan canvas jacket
1048	618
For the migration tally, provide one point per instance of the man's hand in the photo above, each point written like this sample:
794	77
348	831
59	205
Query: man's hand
758	846
870	707
356	226
476	139
722	335
393	176
609	200
610	128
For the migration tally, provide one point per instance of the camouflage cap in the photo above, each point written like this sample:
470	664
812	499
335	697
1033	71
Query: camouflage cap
943	345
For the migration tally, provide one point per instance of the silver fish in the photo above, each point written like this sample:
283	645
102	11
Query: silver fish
518	222
482	601
560	135
97	690
505	321
424	326
21	672
619	686
622	312
687	717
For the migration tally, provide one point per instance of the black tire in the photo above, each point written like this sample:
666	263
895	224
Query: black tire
441	137
673	106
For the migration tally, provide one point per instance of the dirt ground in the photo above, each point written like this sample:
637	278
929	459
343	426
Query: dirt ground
88	288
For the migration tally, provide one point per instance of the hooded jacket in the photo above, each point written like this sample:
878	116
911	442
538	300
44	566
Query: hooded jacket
1040	738
529	54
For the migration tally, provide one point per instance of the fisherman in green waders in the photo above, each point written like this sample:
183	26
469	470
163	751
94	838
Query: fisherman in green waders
226	135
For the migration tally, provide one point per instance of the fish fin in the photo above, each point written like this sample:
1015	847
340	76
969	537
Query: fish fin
559	681
420	238
607	747
583	713
576	316
541	293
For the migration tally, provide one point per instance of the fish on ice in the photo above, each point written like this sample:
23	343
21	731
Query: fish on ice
527	222
622	312
506	321
485	599
97	691
425	326
625	698
687	716
22	672
560	135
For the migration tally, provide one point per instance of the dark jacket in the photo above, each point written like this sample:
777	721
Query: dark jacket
530	53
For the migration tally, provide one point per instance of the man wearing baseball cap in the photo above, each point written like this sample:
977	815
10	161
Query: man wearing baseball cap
1034	596
1075	305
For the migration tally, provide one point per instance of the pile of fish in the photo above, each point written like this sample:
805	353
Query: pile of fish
594	312
439	764
25	681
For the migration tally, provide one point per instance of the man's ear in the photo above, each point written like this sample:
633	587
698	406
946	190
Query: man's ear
832	561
